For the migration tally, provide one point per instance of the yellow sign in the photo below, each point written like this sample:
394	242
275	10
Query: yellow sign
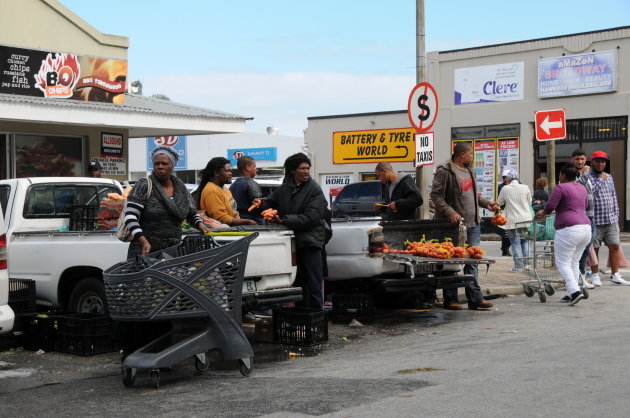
392	145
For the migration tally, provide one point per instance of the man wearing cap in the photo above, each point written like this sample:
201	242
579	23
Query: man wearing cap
94	168
606	218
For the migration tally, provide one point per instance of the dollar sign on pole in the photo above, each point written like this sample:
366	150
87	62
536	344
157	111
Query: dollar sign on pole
422	99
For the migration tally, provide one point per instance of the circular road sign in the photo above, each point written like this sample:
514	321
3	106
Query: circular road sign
422	107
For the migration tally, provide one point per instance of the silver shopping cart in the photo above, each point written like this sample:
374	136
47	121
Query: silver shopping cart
540	267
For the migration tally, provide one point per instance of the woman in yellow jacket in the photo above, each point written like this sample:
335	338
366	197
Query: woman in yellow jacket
214	198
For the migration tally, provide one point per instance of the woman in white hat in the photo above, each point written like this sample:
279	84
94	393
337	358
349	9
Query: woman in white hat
517	200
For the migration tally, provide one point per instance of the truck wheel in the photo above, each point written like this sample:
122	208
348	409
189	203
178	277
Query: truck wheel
88	296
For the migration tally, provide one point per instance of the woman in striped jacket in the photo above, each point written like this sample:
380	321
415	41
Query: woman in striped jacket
517	199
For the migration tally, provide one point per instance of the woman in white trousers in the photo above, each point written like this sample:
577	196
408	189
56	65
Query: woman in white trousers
573	232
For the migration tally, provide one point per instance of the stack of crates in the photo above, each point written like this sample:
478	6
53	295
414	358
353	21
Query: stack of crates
22	297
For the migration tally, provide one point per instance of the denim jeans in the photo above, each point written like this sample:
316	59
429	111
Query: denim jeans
473	291
587	250
520	247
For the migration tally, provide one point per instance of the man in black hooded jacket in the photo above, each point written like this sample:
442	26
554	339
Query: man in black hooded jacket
400	194
301	205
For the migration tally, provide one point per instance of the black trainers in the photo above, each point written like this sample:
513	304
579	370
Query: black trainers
565	299
575	298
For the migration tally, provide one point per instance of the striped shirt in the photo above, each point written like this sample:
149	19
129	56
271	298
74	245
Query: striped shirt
605	197
149	216
585	180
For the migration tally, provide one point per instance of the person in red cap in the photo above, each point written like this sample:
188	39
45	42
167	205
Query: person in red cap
606	218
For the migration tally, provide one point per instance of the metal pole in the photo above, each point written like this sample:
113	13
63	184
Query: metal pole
420	63
551	165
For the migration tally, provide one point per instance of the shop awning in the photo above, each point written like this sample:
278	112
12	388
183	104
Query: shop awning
142	116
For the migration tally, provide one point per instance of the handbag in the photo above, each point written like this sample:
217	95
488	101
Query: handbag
123	233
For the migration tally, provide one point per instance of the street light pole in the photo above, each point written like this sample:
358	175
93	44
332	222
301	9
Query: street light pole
420	64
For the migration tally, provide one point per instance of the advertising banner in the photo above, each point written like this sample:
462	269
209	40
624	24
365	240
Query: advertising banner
577	74
332	184
258	154
489	83
507	158
374	146
111	145
485	169
60	75
178	143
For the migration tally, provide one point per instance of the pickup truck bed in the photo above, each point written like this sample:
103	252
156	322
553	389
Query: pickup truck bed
355	256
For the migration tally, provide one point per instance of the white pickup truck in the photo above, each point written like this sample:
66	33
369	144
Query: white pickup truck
6	313
67	265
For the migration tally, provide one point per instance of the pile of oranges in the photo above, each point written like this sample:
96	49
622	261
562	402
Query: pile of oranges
499	219
440	250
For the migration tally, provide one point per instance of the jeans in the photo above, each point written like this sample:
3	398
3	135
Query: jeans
520	247
584	257
473	291
569	246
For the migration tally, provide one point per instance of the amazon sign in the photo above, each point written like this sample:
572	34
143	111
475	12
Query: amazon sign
357	147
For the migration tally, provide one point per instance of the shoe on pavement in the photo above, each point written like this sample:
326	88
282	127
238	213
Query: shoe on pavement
596	280
516	270
453	306
565	299
617	279
483	304
575	298
586	284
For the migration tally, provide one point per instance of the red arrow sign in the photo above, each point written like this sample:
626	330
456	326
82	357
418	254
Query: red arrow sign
551	125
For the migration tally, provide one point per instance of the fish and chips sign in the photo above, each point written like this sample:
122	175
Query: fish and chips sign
374	146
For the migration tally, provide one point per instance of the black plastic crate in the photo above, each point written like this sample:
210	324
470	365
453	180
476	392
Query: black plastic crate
85	334
40	331
300	326
10	340
22	297
346	307
83	218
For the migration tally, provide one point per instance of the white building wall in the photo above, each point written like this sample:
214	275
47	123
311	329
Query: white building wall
201	148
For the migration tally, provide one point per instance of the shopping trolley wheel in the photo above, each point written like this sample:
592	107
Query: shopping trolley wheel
542	297
247	366
549	289
155	378
529	291
202	363
129	376
585	293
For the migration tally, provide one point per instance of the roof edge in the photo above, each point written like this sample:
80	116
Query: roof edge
387	112
450	51
100	37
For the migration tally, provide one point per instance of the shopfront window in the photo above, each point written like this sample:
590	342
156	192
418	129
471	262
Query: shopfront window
56	156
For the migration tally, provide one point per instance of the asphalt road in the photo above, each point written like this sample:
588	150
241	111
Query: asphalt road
523	358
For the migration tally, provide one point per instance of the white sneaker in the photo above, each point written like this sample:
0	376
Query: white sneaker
596	280
617	279
586	284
